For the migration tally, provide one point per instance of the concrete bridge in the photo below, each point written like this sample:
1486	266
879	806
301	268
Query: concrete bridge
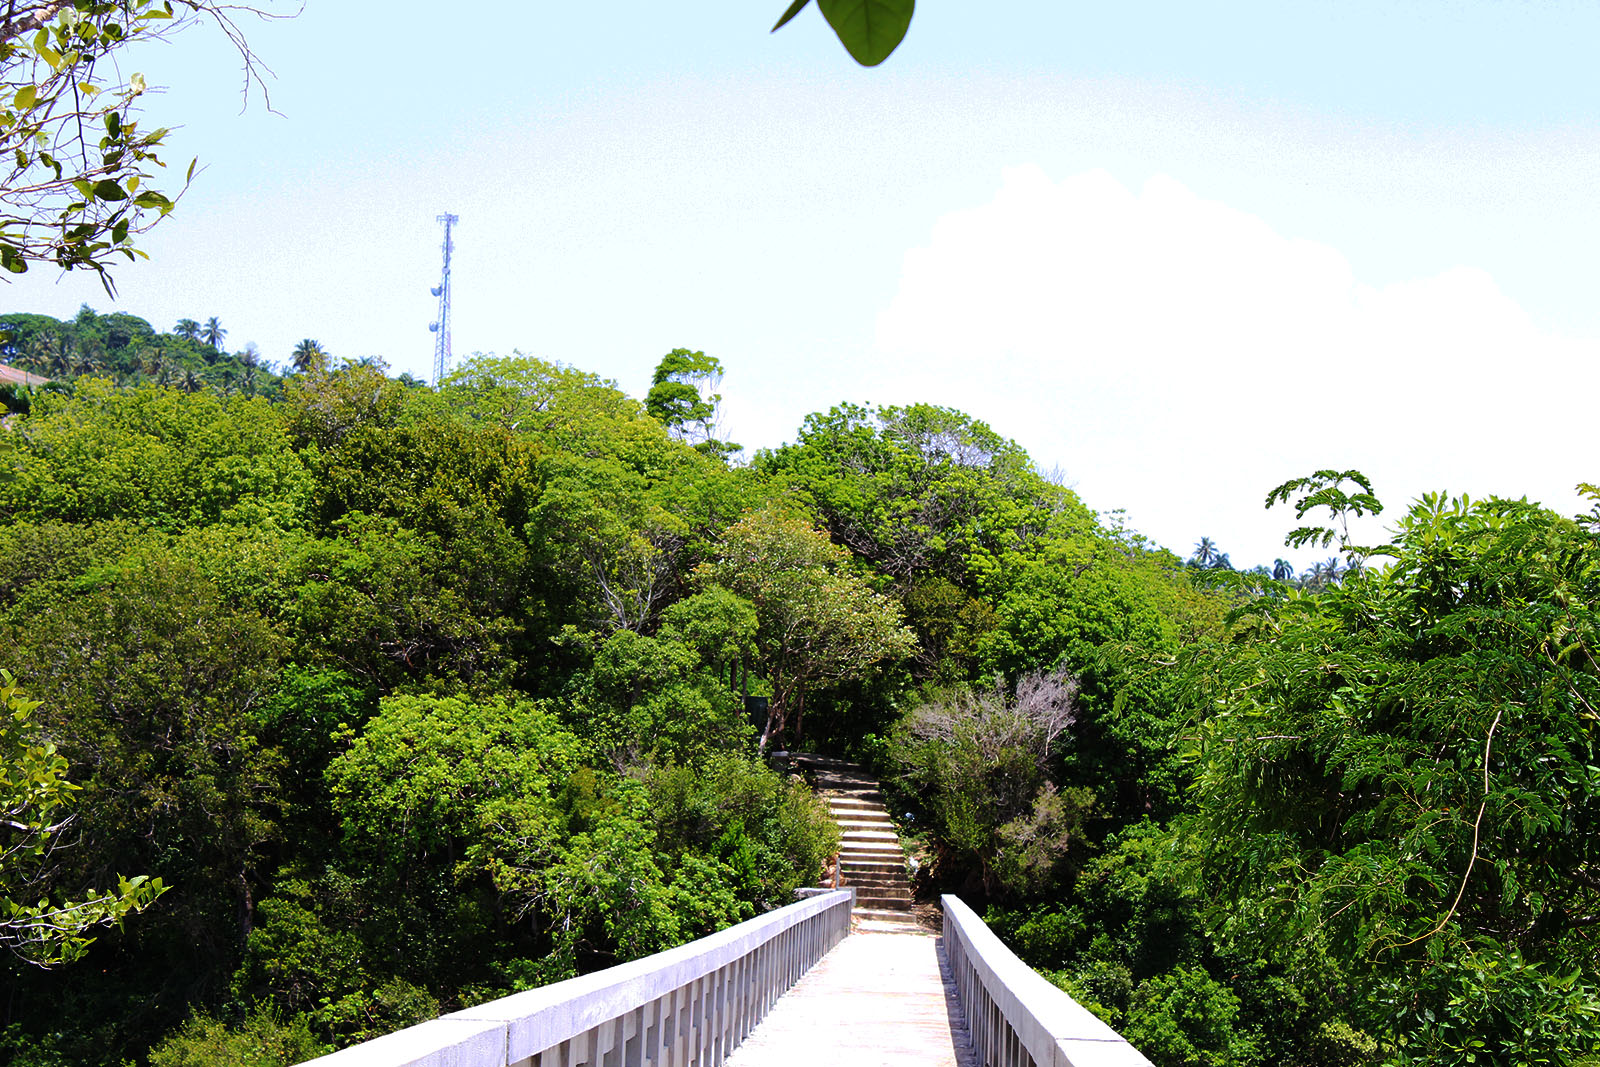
793	986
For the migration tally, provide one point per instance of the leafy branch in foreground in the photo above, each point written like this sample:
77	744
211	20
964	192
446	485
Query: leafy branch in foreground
79	166
1326	489
868	29
34	795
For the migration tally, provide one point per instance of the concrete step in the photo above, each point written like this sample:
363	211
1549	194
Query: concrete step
869	795
876	881
873	870
843	780
871	859
860	815
851	800
842	804
865	819
901	925
882	898
812	759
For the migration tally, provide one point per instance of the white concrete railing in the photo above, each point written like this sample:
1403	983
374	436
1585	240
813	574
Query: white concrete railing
686	1007
1015	1016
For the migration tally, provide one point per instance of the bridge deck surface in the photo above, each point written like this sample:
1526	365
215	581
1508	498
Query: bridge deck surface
876	1000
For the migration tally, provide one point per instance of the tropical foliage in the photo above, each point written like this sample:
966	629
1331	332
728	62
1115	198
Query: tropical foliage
410	697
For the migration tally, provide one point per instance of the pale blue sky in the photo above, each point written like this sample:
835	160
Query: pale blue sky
1180	252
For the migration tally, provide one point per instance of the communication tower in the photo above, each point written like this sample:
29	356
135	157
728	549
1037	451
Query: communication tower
441	327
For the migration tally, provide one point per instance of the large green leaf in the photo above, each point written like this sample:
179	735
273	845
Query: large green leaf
869	29
794	9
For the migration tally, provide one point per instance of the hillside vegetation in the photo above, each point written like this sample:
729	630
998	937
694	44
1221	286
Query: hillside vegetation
414	697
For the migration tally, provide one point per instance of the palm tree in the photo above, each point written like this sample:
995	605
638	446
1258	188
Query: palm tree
188	329
1205	553
90	359
51	351
1282	570
213	333
1323	574
191	382
151	360
309	355
225	376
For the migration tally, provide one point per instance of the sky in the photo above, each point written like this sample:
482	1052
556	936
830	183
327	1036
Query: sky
1179	252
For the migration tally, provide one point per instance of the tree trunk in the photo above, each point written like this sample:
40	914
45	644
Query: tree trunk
247	907
799	715
777	712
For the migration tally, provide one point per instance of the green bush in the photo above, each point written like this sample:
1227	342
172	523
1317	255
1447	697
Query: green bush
1186	1018
262	1040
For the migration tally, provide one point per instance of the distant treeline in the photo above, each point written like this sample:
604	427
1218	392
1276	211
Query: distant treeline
192	356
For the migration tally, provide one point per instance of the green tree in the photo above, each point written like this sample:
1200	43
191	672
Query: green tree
188	329
309	356
980	762
213	334
265	1040
923	491
682	396
816	622
35	796
1403	765
390	605
651	700
153	676
162	457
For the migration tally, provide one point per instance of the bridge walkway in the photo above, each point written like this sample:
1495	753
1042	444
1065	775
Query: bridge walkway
875	1000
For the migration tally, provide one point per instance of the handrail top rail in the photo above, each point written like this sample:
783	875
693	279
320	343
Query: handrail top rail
1056	1030
523	1023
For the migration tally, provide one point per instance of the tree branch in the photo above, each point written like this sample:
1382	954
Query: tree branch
35	16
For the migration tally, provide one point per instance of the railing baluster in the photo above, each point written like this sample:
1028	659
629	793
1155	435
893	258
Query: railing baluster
683	1024
686	1007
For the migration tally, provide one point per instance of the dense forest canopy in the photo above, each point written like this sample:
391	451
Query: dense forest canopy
385	699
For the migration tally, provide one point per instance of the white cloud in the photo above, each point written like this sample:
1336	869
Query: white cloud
1177	357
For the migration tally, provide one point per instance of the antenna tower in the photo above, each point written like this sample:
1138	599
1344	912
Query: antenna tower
441	326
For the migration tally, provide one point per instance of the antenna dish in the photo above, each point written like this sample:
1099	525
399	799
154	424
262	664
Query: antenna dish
433	327
434	290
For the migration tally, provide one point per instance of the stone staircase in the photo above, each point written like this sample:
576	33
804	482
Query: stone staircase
871	859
